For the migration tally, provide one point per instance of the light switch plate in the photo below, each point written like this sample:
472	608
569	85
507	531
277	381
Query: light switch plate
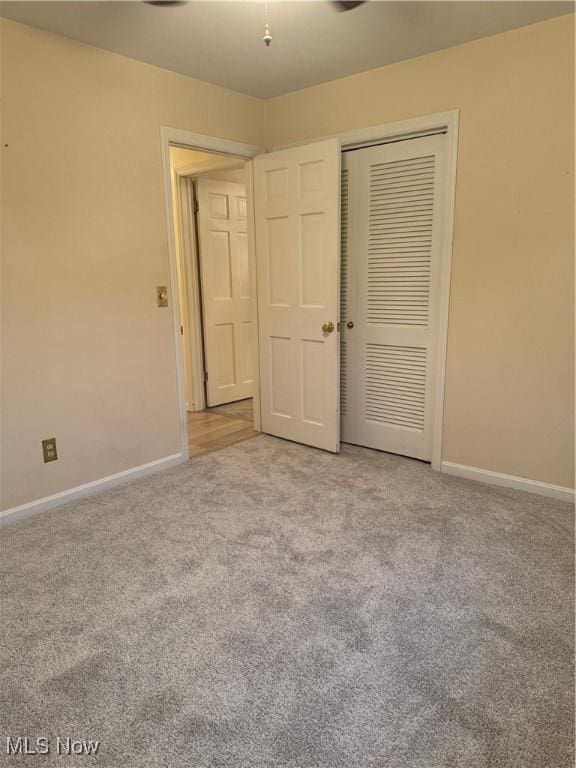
162	295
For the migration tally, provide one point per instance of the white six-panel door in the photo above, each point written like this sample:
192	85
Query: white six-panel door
225	280
297	210
391	253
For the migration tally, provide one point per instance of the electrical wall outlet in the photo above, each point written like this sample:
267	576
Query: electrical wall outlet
49	449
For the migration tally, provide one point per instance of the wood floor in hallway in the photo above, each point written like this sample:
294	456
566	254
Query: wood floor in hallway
219	427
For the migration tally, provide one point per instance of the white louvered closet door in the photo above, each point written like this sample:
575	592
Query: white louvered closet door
391	250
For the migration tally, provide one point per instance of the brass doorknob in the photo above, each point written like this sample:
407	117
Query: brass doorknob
349	324
328	327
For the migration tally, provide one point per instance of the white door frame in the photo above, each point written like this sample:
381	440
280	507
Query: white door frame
197	141
420	126
186	253
413	128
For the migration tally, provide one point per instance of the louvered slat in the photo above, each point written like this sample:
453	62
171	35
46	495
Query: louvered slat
343	287
395	385
400	241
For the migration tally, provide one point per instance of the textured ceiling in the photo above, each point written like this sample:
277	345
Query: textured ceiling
221	42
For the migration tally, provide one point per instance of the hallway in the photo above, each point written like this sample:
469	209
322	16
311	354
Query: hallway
220	427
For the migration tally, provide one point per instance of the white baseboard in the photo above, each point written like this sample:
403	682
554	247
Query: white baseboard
49	502
508	481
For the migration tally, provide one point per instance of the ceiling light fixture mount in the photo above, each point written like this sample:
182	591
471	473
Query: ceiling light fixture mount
267	36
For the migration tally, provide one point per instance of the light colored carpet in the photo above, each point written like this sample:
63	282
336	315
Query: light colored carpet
274	606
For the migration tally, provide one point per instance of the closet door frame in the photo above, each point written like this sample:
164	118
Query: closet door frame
422	126
405	129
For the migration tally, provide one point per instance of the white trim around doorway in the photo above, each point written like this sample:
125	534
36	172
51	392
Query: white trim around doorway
445	122
189	295
176	137
406	129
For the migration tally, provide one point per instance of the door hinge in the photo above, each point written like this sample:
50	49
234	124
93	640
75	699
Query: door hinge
205	376
196	206
181	330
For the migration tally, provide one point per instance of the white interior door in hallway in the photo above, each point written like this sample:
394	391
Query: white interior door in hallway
225	281
392	243
297	211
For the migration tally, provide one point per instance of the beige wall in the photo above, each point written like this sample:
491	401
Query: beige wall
87	355
510	384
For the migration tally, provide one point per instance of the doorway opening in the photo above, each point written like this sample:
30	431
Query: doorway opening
210	217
